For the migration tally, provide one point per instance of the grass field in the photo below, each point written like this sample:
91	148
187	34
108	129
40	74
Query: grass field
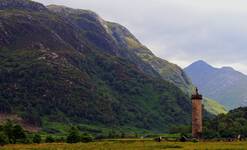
133	145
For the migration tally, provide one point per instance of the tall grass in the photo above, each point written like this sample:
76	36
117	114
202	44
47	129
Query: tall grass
132	145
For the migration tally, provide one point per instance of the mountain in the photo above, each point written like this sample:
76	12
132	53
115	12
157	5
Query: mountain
129	47
168	71
26	5
61	66
225	84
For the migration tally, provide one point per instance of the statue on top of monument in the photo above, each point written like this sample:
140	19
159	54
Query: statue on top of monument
197	93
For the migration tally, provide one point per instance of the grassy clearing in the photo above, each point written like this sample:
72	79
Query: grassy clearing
133	145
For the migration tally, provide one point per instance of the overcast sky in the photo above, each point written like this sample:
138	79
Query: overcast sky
181	31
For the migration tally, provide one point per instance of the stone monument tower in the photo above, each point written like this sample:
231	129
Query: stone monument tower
196	115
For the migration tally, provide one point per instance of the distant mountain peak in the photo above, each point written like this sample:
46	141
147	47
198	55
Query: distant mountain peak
201	62
200	65
224	84
21	4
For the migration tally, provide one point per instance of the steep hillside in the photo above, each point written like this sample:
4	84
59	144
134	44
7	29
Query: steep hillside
65	68
112	36
226	85
167	70
26	5
96	30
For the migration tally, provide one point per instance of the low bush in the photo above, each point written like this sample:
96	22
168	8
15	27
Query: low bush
49	139
86	138
3	139
37	138
74	136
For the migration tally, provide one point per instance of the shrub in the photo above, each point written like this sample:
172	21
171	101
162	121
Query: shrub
86	138
14	133
123	135
49	139
37	138
113	134
73	136
3	139
8	131
19	134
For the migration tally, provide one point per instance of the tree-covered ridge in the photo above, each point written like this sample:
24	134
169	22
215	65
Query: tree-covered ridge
67	69
228	125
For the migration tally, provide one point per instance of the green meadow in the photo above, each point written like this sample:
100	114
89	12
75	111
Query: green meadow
132	145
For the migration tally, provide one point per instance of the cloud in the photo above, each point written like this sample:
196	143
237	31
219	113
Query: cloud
181	31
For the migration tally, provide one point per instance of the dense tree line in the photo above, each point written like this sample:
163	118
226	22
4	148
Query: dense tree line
11	133
230	125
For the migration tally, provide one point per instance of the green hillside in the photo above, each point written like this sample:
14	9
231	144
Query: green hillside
213	107
61	67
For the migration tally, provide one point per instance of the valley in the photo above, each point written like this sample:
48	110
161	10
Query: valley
70	79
